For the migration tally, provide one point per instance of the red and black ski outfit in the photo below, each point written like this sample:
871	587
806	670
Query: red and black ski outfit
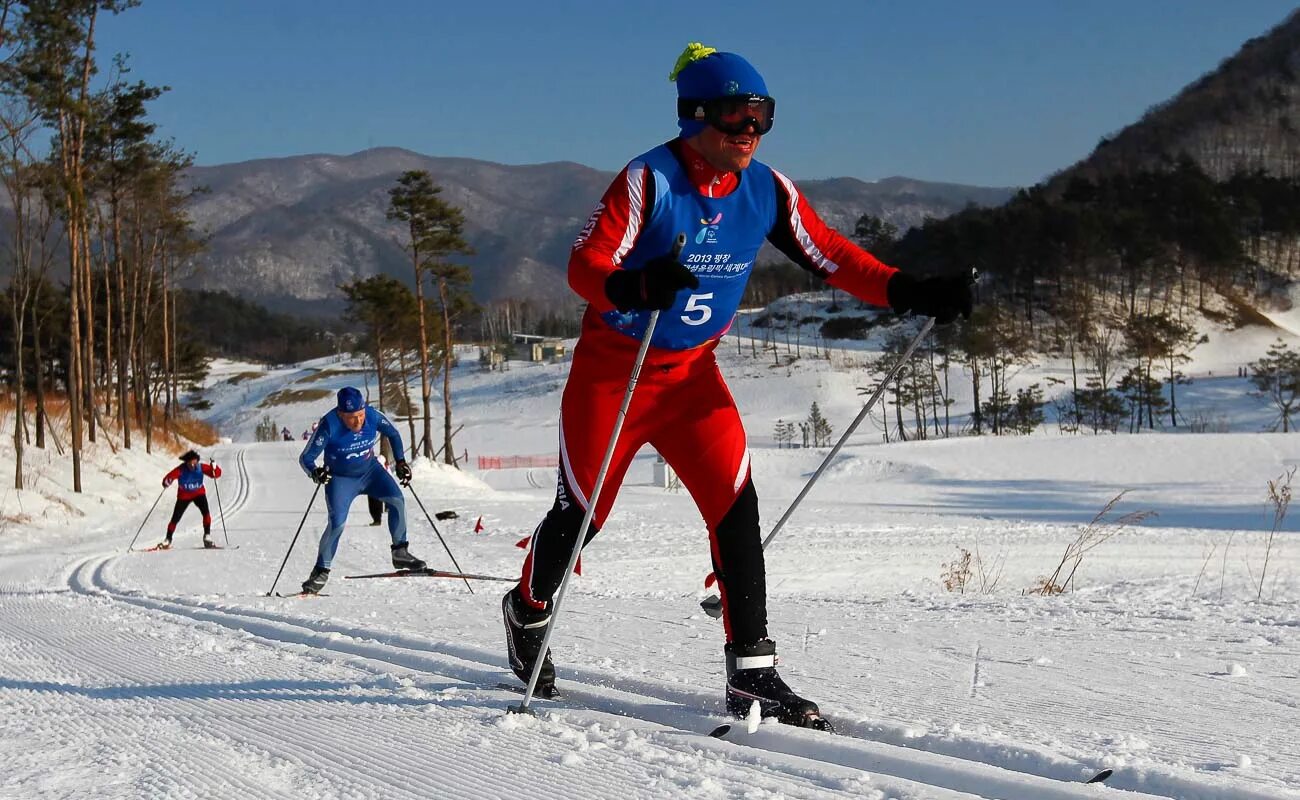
681	406
189	489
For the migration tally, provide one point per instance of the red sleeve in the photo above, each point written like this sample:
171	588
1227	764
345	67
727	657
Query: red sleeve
609	234
212	470
173	475
820	249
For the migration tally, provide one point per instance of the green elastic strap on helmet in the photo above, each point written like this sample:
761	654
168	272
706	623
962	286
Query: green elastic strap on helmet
693	52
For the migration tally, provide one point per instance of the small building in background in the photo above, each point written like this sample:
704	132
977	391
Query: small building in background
541	348
665	475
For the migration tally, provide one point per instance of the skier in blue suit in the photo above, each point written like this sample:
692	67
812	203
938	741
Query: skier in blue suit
346	436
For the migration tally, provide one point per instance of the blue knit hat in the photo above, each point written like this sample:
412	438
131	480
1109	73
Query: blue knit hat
703	73
350	399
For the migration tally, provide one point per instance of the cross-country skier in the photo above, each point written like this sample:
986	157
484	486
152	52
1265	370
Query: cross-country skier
706	184
189	489
347	437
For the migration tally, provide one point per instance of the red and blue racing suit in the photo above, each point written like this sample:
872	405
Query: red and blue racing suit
681	406
189	489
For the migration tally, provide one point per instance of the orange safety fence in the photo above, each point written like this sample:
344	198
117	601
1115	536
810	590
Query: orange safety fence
517	462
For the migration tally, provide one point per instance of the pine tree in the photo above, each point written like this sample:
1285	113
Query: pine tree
818	427
387	309
434	230
1277	377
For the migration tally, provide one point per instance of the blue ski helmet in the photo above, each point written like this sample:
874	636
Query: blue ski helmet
703	73
350	399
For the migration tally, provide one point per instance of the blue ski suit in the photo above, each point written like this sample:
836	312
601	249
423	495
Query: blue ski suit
351	461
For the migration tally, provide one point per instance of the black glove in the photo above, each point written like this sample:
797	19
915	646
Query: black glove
403	471
321	475
654	287
942	296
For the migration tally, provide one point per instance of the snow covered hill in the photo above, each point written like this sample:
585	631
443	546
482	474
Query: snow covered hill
172	674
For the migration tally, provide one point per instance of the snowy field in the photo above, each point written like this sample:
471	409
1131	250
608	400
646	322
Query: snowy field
171	674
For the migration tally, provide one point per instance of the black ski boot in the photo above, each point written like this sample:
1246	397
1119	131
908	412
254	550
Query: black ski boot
752	675
402	559
316	582
525	629
207	541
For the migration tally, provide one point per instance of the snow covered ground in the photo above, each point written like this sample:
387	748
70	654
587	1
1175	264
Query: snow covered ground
171	674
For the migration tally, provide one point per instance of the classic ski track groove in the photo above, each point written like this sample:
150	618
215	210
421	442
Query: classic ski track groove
377	651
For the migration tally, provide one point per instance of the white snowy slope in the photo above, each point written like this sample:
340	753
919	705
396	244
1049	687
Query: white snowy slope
172	674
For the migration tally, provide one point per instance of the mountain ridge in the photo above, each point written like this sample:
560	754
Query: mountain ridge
286	231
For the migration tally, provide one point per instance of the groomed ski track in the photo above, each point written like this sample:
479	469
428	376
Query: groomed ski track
262	702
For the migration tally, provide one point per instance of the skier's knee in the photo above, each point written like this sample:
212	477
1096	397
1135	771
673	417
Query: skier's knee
741	520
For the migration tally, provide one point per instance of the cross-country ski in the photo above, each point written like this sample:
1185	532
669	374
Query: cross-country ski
429	572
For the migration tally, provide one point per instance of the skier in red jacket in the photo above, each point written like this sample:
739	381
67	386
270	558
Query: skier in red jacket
189	489
706	184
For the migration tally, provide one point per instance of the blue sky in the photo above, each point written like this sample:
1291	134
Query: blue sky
1002	92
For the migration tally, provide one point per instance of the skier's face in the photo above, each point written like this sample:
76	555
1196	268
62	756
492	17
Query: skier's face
355	420
727	152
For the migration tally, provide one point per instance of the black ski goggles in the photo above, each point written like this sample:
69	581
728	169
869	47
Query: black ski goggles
732	115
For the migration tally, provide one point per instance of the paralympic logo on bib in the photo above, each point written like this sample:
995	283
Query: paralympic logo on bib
709	233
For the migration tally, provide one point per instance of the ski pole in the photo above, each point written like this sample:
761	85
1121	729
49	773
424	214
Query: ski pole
523	708
295	539
712	604
146	519
220	512
439	535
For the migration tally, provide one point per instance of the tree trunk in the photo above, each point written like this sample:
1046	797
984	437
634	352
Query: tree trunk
1173	401
1074	384
406	393
168	344
426	443
120	271
88	348
20	379
898	408
1151	418
449	456
74	346
108	334
122	412
38	364
379	368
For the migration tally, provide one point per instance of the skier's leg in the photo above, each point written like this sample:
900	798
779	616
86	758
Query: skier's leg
381	486
177	511
588	413
339	494
376	509
707	449
704	442
553	539
201	503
